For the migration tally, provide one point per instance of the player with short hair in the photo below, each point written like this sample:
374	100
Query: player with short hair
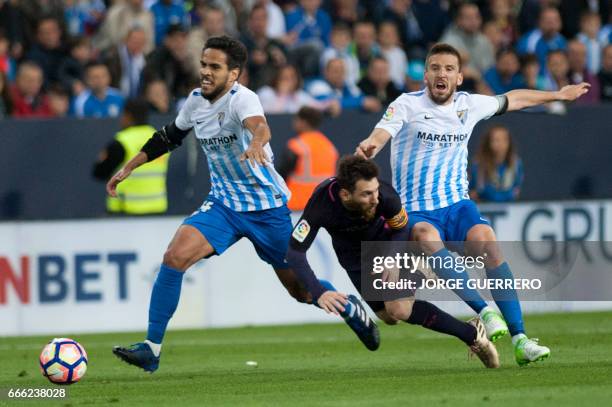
247	198
430	130
353	207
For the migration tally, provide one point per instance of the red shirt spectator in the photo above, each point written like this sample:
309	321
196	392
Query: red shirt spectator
28	100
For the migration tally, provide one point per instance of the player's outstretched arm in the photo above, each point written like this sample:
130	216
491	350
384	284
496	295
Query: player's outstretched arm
524	98
261	136
369	147
123	173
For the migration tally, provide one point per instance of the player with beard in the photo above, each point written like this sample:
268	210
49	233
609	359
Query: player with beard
430	130
353	207
247	199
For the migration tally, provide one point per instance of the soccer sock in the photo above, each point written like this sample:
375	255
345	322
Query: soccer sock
330	287
469	295
164	300
507	300
431	317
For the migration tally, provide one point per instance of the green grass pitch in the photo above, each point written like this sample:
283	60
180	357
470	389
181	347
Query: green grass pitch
325	365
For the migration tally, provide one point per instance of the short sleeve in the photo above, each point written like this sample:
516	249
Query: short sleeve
247	105
394	117
483	107
183	120
392	210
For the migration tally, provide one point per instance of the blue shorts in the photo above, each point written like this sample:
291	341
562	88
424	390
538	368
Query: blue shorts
269	230
452	222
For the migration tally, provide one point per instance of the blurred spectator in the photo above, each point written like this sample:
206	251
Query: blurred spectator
334	87
158	97
265	55
414	76
578	72
14	26
497	171
544	39
464	34
170	63
339	48
309	24
504	76
419	23
473	81
72	68
347	11
590	25
377	82
165	14
310	158
26	95
6	101
126	62
558	70
212	24
122	17
83	17
34	11
528	14
308	33
605	75
144	192
530	73
571	9
48	52
99	99
388	40
364	46
494	34
502	18
276	27
285	95
59	101
7	63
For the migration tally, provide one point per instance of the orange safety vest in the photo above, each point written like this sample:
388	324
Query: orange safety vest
317	158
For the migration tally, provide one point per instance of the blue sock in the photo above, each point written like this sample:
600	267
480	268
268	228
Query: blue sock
330	287
507	300
469	295
164	300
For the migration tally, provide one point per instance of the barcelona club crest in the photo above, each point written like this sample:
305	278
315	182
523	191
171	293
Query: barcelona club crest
462	115
220	118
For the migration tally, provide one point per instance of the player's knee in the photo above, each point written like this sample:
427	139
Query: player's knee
428	238
399	311
177	259
386	318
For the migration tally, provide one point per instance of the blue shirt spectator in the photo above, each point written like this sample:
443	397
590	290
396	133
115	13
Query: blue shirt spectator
504	76
99	99
87	104
545	38
309	23
165	14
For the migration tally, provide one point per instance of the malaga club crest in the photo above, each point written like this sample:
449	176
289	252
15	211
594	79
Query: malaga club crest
462	115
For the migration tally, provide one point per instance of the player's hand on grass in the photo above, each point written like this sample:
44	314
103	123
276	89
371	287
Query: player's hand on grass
111	185
365	149
572	92
255	154
332	302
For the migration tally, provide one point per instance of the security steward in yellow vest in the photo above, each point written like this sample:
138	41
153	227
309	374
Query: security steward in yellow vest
144	192
310	158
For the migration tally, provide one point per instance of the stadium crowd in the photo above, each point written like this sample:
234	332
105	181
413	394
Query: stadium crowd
84	58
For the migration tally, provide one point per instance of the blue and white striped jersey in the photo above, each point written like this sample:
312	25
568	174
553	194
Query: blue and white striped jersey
220	131
429	154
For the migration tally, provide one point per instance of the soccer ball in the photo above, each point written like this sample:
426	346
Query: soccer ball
63	361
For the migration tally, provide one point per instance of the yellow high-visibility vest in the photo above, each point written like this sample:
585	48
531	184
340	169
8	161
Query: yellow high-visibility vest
144	191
